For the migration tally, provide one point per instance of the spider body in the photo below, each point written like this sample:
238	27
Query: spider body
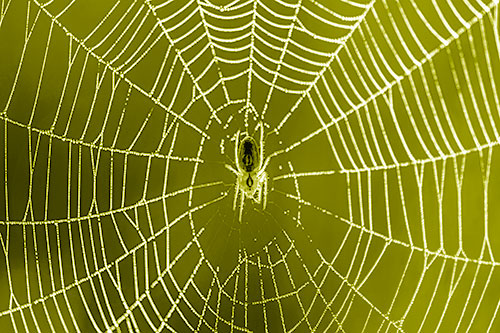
251	177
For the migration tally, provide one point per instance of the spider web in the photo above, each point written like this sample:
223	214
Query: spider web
381	122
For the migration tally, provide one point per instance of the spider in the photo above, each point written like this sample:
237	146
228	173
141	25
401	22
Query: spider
250	171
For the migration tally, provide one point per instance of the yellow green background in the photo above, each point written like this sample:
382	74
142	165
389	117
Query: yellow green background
116	210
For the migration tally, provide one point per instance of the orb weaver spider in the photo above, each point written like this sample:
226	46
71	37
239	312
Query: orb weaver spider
250	171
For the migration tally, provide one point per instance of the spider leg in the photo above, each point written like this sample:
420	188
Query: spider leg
259	194
264	166
241	204
236	146
264	195
236	193
230	168
261	143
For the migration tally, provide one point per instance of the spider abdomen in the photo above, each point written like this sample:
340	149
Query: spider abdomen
249	154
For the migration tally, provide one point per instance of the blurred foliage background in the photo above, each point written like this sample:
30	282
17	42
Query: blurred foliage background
381	123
